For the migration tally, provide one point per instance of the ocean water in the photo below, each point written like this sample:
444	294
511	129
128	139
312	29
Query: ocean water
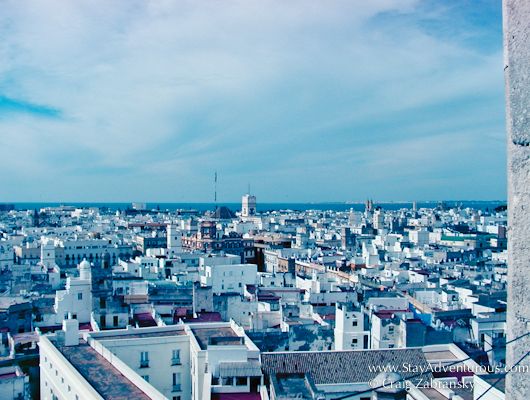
263	207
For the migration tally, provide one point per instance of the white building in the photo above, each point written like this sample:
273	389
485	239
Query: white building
75	300
174	241
230	278
248	206
419	237
351	332
180	362
14	384
7	256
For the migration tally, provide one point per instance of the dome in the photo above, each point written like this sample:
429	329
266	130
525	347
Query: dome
85	270
388	382
84	264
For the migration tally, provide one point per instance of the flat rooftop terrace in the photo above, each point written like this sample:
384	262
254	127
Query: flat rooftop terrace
291	385
439	355
216	336
102	376
146	335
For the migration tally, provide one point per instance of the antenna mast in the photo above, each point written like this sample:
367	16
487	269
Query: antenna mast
215	197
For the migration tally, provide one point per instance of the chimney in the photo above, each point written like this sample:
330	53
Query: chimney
71	331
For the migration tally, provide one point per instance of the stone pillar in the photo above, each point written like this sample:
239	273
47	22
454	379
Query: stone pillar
517	77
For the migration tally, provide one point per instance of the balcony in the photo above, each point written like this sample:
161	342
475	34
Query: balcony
176	388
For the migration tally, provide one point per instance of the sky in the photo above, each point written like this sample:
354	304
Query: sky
303	100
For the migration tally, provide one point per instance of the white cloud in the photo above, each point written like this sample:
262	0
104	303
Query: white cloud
158	90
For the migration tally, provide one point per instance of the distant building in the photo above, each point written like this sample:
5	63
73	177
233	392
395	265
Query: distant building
248	206
209	239
139	206
7	207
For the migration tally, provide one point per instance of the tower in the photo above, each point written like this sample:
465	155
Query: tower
174	240
85	272
350	331
379	219
47	254
248	206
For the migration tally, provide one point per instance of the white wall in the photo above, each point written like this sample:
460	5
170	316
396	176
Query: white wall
230	278
76	299
160	367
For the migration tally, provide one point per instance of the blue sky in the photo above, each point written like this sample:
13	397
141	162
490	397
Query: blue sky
336	100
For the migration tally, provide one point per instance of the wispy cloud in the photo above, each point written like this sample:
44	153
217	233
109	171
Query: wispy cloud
112	99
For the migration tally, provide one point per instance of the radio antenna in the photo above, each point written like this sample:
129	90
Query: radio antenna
215	187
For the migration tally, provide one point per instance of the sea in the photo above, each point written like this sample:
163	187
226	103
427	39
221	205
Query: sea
264	207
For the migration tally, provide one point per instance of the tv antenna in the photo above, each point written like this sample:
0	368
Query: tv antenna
215	187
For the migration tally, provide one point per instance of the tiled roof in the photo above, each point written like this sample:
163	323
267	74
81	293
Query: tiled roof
249	368
223	213
334	367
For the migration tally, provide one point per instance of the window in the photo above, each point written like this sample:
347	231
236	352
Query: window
176	382
354	342
145	378
115	320
241	380
354	323
175	357
390	329
144	359
79	296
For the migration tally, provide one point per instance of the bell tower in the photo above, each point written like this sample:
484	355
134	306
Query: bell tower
248	206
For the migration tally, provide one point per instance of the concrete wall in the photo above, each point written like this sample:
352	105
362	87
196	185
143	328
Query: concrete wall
517	75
